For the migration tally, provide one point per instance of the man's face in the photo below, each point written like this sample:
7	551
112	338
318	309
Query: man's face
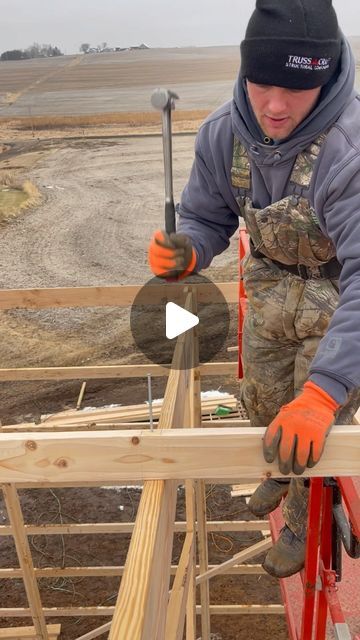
278	110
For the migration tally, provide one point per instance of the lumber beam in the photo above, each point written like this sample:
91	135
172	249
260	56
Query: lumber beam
105	426
116	372
114	296
95	633
28	633
176	610
203	557
113	572
141	603
175	454
15	516
245	554
75	612
140	611
128	527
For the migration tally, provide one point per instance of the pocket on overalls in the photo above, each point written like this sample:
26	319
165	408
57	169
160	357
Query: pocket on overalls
316	307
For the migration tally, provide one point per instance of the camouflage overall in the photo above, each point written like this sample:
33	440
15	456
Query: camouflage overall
287	315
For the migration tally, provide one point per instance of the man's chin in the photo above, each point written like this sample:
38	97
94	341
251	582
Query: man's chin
278	133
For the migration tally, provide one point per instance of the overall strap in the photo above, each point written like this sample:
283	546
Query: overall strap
240	169
304	165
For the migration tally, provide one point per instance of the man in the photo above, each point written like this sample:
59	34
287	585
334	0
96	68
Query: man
284	155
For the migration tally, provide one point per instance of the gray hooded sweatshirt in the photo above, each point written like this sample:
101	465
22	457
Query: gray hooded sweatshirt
209	214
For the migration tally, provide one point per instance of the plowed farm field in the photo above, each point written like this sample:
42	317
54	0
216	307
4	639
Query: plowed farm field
117	81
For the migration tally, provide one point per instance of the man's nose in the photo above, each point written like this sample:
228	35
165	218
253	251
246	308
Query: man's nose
277	101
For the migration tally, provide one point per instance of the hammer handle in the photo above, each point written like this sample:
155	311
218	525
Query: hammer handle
170	226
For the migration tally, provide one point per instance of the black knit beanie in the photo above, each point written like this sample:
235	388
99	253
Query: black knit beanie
291	43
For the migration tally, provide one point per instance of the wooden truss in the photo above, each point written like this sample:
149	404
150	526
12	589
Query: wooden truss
179	450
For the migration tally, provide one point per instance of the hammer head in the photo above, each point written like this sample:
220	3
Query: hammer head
163	99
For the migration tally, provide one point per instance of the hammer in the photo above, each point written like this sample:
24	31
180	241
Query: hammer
164	101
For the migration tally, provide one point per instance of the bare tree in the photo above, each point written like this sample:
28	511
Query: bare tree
84	48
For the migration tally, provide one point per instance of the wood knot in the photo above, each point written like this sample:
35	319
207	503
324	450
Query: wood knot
135	440
62	463
30	444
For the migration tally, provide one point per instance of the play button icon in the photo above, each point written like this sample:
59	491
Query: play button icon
178	320
159	313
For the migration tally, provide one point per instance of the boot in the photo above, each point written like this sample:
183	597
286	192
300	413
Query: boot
267	497
287	556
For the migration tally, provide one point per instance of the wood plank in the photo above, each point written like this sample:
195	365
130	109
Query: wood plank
13	509
176	610
245	554
111	572
105	426
99	483
194	409
23	633
203	557
99	372
243	490
131	412
128	527
75	612
113	296
118	371
161	454
95	633
191	524
140	611
143	581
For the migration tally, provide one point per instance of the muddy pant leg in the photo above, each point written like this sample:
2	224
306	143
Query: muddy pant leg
268	371
296	502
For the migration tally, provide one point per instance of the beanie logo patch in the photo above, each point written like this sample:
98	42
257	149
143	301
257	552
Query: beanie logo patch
307	63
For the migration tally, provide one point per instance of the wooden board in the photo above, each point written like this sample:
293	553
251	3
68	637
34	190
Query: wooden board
162	454
128	527
113	296
71	612
99	372
111	572
28	633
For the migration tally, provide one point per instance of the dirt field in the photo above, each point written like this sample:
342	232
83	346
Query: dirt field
100	83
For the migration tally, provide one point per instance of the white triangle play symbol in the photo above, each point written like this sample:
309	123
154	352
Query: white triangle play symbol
178	320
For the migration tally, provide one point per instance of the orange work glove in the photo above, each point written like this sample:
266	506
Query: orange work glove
171	256
297	434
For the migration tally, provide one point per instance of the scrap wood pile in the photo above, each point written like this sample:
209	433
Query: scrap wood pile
214	406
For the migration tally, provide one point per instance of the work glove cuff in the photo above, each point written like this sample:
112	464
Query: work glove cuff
315	393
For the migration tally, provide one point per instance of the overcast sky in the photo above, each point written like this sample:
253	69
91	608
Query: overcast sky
158	23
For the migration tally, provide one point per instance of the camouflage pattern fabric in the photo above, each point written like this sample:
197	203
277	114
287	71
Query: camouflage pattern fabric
240	170
286	231
287	316
305	161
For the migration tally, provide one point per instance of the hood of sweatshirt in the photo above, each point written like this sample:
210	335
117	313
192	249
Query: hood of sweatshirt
334	97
